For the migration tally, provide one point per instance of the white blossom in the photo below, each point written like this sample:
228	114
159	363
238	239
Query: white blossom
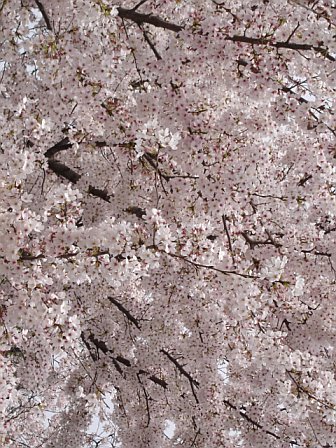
274	268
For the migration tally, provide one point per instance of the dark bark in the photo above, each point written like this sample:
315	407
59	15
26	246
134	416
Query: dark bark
138	18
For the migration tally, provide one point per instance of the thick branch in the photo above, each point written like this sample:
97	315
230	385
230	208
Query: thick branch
62	170
155	379
66	144
287	45
102	194
126	313
60	146
44	14
159	381
139	18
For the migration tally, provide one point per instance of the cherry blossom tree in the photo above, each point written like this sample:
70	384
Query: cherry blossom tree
168	255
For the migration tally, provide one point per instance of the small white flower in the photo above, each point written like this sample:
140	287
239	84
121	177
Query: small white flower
28	160
27	197
175	138
299	285
166	138
21	106
46	124
274	268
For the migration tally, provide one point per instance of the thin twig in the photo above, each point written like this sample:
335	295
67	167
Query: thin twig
311	396
281	198
196	435
193	383
250	420
293	32
224	218
146	400
150	43
213	268
139	4
154	165
252	243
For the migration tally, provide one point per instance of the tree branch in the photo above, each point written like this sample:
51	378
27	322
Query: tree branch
213	268
252	243
60	146
139	4
150	159
44	14
101	345
309	395
126	313
102	194
287	45
138	18
62	170
250	420
151	45
224	219
66	144
155	379
183	372
146	399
